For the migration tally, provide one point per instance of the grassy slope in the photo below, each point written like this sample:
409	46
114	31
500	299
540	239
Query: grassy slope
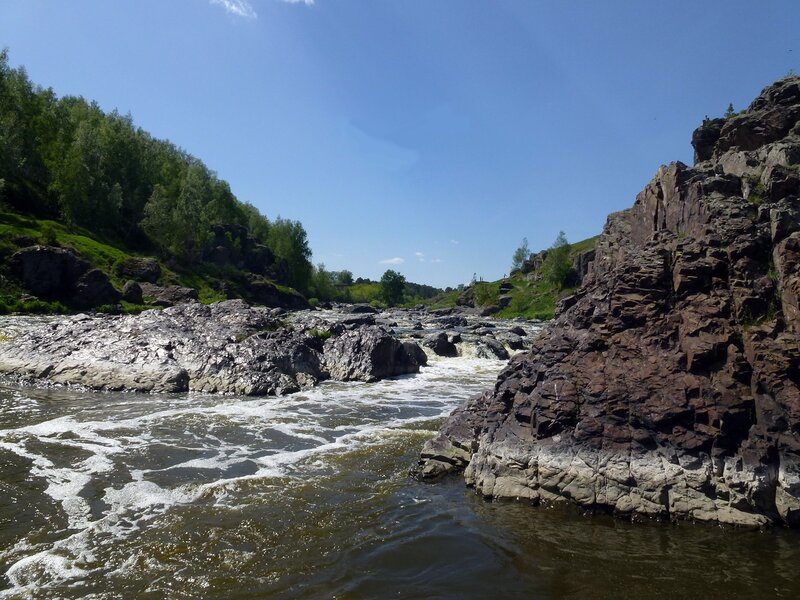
531	297
101	255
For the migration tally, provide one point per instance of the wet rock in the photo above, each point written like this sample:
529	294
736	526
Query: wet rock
361	309
440	345
368	354
488	347
667	385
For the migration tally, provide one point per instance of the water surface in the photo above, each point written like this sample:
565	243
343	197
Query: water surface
112	495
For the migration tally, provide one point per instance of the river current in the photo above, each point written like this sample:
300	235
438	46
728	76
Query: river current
124	495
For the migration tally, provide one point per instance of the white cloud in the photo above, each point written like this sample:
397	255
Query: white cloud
392	261
239	8
436	260
306	2
455	242
420	256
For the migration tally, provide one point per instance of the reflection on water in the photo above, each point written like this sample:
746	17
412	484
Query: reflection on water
203	496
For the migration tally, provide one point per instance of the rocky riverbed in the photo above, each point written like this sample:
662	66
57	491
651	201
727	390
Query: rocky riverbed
668	385
232	347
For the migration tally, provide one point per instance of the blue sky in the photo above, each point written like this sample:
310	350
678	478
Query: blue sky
428	136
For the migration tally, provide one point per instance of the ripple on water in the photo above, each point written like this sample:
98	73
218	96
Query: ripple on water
308	496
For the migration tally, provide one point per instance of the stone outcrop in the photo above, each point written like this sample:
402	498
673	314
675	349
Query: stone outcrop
369	353
46	271
668	385
224	347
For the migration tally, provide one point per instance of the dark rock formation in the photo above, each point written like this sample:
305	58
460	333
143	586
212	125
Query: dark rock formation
369	354
167	296
46	271
139	269
132	292
668	385
440	345
93	288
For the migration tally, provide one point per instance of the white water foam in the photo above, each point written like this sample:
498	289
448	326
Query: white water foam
288	436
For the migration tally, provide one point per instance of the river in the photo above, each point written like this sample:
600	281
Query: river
124	495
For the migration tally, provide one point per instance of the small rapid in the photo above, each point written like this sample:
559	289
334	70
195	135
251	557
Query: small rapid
108	495
106	466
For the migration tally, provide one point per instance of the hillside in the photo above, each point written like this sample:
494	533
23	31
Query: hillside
526	292
83	193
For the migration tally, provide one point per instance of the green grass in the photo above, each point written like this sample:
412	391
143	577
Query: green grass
531	297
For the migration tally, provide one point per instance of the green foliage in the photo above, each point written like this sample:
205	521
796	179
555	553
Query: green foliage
101	175
322	334
557	265
520	255
48	235
729	112
392	287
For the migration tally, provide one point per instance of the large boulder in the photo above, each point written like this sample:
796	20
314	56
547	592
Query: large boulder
94	288
46	271
667	385
368	354
440	345
172	295
145	269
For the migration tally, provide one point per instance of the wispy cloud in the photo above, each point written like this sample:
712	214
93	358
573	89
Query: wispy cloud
420	256
436	260
455	242
392	261
239	8
306	2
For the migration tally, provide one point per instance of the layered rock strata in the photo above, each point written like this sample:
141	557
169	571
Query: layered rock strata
668	386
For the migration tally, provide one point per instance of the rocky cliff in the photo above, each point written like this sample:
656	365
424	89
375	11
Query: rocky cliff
668	385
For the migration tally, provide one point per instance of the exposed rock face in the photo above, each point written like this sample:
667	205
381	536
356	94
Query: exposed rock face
140	269
167	296
47	271
368	354
223	347
668	385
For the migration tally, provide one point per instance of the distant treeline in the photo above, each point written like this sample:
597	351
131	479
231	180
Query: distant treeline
65	158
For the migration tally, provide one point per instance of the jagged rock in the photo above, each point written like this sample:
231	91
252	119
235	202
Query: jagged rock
667	385
167	296
368	354
489	347
440	345
140	269
451	321
223	347
46	271
132	292
93	288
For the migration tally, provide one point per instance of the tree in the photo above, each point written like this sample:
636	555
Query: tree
521	254
557	265
392	286
729	112
343	277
